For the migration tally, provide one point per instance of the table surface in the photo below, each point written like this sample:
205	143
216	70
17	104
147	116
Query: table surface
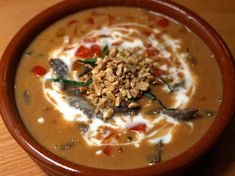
220	14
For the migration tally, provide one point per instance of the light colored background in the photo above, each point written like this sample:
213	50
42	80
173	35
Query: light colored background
220	14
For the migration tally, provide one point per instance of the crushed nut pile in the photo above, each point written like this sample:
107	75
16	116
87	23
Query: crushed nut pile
119	77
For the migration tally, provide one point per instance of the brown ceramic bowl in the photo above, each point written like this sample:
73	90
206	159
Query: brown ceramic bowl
57	166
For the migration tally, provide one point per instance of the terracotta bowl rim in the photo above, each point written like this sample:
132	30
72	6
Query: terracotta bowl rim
50	161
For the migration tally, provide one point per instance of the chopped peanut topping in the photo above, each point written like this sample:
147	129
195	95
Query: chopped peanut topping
120	76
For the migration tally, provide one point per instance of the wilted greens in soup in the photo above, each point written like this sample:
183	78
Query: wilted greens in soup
117	88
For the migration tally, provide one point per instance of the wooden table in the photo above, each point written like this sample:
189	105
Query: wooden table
220	14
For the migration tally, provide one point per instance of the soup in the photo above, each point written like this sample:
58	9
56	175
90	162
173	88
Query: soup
117	88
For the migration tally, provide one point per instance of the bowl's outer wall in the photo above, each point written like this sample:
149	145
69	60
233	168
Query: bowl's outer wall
55	165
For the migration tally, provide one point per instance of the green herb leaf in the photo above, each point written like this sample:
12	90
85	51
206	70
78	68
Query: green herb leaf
132	99
152	97
72	83
91	61
171	89
105	51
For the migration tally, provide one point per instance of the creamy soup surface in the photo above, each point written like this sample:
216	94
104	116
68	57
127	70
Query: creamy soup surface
117	88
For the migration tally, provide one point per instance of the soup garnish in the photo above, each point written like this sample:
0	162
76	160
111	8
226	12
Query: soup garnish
117	84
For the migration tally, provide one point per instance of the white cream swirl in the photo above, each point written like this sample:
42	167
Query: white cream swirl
168	47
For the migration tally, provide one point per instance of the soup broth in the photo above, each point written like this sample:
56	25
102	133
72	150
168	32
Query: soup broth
117	88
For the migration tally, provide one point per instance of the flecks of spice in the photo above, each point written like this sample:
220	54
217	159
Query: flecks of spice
193	60
68	145
28	53
209	113
129	139
156	157
26	96
83	127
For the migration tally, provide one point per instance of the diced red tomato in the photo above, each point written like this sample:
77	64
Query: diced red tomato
158	72
163	22
108	150
95	49
39	71
83	52
139	128
90	20
151	51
